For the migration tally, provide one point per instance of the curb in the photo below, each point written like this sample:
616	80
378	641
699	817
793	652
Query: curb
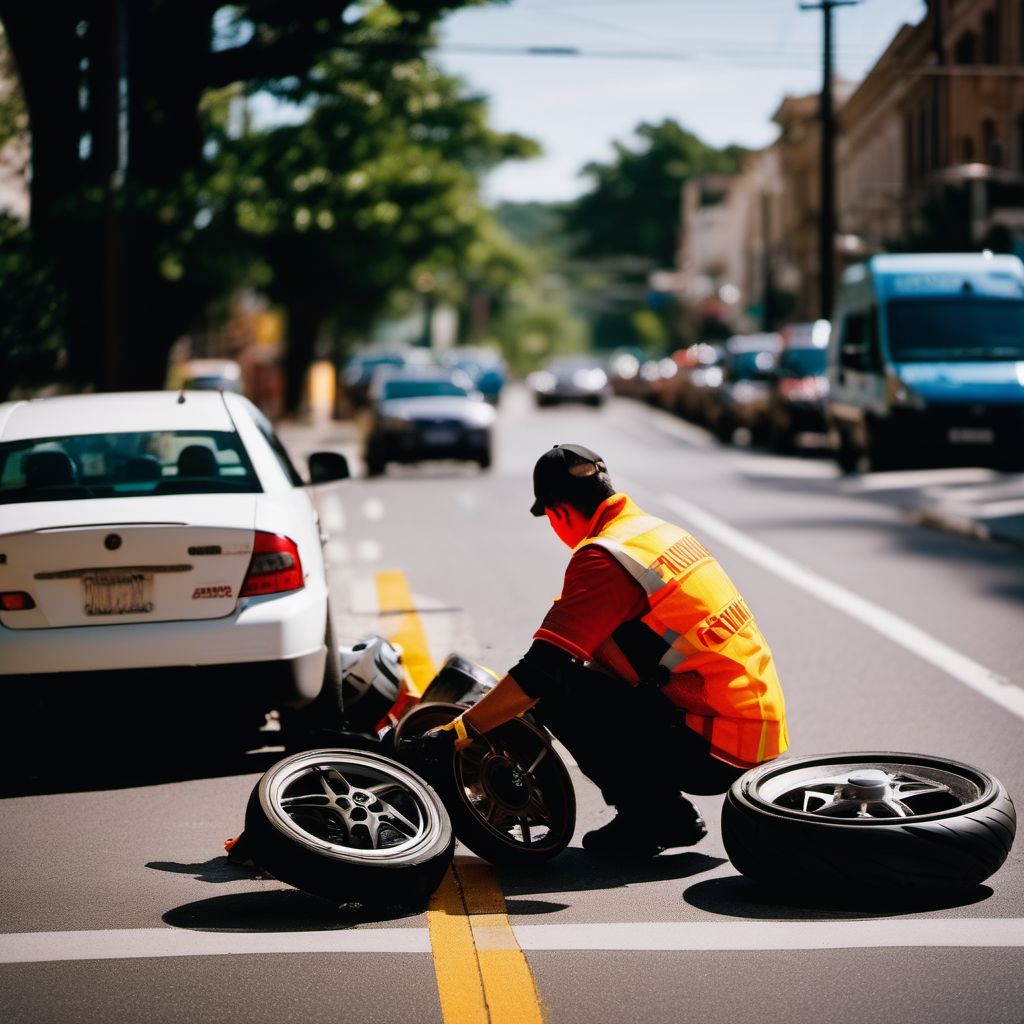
964	526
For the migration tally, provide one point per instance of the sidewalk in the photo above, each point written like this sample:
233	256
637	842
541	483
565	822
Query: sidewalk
974	502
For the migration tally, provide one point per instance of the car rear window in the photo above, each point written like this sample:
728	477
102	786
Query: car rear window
421	389
124	465
804	362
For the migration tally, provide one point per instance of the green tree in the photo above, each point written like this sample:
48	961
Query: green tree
633	205
377	190
627	224
114	91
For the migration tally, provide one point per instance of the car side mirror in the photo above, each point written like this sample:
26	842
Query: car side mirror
326	467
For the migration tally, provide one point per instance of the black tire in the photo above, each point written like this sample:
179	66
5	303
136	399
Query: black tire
725	428
320	722
484	460
796	823
508	793
304	826
847	455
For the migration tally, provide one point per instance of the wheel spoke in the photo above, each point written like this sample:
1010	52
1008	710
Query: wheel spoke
399	819
537	760
308	801
538	812
903	790
898	809
524	827
334	783
814	794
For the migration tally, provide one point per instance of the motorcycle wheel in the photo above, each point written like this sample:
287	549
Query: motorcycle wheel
868	821
509	795
350	826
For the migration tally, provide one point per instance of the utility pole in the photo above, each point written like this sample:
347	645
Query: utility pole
827	220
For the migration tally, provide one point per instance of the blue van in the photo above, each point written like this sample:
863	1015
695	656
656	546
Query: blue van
926	362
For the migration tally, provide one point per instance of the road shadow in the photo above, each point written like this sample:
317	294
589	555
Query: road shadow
574	870
282	910
737	896
83	761
216	870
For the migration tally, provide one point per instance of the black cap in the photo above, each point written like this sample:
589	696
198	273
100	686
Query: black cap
557	469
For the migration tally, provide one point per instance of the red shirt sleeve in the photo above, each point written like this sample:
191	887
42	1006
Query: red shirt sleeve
598	595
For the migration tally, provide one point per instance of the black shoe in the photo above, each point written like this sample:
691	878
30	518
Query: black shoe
636	832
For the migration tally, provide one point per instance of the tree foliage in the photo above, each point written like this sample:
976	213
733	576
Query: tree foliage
150	202
633	206
627	224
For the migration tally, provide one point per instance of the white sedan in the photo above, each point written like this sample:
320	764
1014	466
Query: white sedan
161	530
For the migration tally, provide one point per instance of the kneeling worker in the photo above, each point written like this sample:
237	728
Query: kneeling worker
649	667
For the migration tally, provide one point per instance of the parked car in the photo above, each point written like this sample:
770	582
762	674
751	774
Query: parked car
484	367
623	368
570	379
420	413
799	386
160	530
361	367
925	361
742	398
699	377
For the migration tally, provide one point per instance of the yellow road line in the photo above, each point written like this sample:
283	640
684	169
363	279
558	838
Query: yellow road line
395	598
482	974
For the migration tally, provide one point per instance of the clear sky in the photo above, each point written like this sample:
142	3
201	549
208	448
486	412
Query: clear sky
719	67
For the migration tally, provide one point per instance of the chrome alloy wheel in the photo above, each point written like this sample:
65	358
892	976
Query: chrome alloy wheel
870	792
341	802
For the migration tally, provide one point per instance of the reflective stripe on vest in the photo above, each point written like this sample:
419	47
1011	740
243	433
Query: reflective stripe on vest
721	669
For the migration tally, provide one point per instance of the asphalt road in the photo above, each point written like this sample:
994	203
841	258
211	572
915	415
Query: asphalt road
117	904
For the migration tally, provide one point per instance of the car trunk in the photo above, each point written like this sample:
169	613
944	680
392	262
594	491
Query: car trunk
98	562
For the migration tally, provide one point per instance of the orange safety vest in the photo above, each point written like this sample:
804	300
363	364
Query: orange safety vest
720	668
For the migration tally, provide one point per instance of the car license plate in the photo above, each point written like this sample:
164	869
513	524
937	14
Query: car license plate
971	435
440	436
118	593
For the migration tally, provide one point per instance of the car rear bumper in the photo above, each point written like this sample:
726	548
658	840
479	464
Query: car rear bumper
286	629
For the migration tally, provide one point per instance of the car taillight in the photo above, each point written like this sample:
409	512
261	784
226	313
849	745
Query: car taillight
16	601
803	389
274	568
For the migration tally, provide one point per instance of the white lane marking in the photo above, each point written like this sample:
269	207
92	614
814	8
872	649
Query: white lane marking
373	509
980	679
146	943
773	935
332	515
368	550
125	944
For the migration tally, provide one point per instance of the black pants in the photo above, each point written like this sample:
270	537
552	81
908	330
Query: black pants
630	741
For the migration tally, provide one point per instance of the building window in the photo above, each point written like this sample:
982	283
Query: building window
967	149
965	51
989	39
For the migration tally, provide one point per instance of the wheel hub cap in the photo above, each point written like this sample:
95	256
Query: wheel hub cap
506	782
